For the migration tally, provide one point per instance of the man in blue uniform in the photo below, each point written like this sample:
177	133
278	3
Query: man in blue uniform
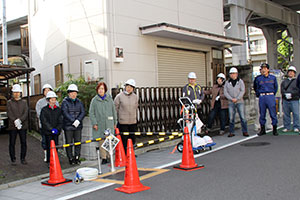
265	87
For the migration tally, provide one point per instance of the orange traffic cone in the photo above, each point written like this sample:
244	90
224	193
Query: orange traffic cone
132	182
56	177
188	160
120	157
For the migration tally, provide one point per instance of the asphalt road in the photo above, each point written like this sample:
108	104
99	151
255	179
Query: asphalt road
237	172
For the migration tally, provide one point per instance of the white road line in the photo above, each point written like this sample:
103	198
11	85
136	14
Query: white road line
85	191
159	167
208	152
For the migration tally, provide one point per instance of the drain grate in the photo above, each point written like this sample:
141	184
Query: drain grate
255	144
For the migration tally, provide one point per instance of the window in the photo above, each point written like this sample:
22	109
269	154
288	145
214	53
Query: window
59	75
37	84
217	54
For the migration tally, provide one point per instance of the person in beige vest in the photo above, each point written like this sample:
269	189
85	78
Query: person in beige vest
126	104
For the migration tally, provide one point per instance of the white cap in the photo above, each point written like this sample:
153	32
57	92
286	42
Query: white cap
16	88
47	86
130	82
221	75
292	68
208	139
233	70
51	94
192	75
72	87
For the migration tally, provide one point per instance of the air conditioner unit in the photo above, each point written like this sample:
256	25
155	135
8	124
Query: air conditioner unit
91	70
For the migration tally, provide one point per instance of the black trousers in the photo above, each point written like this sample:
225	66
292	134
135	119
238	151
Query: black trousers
48	140
217	110
73	136
43	142
12	143
127	128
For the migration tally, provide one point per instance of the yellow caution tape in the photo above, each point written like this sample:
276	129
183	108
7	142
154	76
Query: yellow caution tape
149	133
171	137
161	139
66	145
140	145
126	133
150	141
137	133
77	143
88	141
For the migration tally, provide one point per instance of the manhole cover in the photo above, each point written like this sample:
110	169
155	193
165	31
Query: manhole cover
255	144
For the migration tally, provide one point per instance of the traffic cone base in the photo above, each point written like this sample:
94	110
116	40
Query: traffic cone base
56	184
132	183
55	174
178	167
132	189
120	156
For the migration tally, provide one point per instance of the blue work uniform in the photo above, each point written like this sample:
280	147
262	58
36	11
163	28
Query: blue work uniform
266	87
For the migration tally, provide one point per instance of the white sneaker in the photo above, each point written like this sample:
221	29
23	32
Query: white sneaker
45	158
296	130
285	130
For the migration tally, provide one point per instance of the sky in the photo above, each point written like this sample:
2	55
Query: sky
14	9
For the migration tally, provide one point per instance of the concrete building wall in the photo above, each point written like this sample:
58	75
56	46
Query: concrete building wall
73	31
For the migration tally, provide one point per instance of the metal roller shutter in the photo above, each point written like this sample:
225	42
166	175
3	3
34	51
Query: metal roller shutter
175	64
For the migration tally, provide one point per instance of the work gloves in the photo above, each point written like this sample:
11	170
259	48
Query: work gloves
76	123
217	98
288	95
18	124
197	101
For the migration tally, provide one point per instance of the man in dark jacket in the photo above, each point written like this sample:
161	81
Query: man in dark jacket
51	119
73	112
17	112
290	96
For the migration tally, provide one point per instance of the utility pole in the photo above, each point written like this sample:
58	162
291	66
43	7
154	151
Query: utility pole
4	34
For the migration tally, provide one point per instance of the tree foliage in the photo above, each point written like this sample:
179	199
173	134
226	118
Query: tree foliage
87	90
285	50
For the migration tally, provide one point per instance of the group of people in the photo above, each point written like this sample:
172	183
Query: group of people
53	118
106	113
228	94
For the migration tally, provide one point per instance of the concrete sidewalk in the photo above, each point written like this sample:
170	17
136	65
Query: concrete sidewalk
155	159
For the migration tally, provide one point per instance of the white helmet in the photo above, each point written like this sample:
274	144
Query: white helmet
292	68
221	75
47	86
72	88
192	75
233	70
51	94
16	88
208	139
130	82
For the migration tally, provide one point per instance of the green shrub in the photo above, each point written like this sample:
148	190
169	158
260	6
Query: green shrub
87	90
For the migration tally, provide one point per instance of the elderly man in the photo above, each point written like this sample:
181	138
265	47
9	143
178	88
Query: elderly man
234	90
290	96
266	87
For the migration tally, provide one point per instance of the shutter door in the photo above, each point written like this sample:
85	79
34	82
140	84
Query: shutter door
175	64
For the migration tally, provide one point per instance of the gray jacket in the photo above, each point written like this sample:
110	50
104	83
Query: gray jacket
290	86
236	92
41	103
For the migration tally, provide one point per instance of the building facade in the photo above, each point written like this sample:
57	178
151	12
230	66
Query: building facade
155	42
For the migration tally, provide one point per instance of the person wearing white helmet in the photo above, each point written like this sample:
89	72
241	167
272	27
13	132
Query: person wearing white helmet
52	121
290	100
234	91
218	104
126	104
194	91
17	113
73	113
41	103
